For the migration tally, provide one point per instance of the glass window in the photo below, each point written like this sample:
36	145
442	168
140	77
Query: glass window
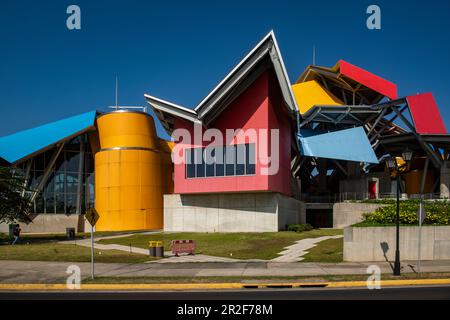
240	159
59	203
230	159
59	182
220	163
50	186
60	164
71	203
72	161
36	177
209	161
49	204
199	163
39	204
71	182
90	200
60	192
190	165
250	158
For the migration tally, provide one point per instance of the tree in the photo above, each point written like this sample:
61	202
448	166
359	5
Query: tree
15	204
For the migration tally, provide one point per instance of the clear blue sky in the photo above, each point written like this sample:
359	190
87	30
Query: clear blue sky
179	50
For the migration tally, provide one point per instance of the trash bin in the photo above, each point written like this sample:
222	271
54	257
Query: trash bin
152	251
156	249
70	233
159	252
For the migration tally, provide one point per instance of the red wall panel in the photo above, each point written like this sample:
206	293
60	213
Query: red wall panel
279	119
252	110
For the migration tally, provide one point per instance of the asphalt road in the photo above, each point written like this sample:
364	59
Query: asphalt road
407	293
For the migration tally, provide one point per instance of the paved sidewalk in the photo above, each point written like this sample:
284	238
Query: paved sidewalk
295	252
55	272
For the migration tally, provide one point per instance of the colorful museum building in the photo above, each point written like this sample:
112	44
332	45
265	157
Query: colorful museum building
256	154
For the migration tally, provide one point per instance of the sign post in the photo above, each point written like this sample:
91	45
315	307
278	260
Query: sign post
420	217
92	217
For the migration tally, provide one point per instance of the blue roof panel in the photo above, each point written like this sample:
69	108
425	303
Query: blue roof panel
349	144
24	143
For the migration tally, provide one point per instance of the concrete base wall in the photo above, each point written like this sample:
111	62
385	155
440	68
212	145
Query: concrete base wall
378	243
444	189
51	223
243	212
348	213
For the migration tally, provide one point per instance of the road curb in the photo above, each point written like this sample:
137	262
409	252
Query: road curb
389	283
216	286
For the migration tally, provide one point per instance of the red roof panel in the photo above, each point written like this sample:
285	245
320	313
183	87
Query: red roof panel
425	113
368	79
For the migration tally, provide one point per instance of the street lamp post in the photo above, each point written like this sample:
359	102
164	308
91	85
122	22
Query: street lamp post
392	164
397	227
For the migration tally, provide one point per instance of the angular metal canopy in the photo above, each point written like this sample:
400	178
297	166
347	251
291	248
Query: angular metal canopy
26	143
349	144
355	85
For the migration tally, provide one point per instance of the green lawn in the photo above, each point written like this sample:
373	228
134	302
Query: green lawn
326	278
234	245
52	251
330	250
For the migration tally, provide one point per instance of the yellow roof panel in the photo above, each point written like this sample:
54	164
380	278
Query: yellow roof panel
310	93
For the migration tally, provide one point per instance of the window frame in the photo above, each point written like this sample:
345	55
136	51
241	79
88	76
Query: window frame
250	149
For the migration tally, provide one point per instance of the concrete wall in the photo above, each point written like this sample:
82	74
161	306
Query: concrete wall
348	213
290	211
445	180
241	212
378	243
51	223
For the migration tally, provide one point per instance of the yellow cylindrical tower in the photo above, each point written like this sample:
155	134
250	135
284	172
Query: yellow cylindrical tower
124	128
129	181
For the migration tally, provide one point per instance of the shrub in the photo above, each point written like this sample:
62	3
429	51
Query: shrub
437	213
299	227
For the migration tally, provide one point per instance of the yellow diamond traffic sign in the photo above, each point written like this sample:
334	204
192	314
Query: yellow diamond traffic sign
92	216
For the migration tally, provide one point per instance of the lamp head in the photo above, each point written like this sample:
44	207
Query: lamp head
407	155
391	163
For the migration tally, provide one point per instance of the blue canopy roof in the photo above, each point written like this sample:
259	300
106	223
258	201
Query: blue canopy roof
349	144
27	142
